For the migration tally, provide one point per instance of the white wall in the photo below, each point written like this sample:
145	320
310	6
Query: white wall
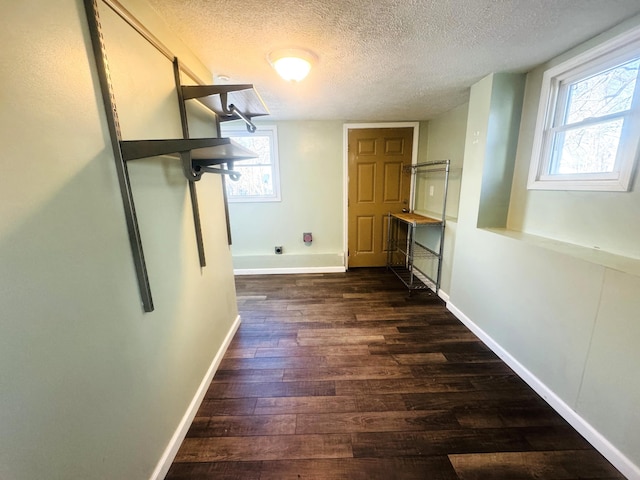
90	386
567	322
311	187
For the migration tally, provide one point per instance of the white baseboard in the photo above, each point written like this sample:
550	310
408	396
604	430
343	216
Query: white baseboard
599	442
181	432
291	270
444	296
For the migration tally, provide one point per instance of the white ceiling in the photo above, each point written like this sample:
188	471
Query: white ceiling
383	60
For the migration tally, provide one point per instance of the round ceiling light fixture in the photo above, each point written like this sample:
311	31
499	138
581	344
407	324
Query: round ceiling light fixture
292	64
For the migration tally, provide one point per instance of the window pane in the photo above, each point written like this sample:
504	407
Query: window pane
258	176
590	149
257	144
602	94
255	181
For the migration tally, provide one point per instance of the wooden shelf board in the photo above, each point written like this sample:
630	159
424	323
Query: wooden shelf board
216	155
415	219
135	149
204	151
244	97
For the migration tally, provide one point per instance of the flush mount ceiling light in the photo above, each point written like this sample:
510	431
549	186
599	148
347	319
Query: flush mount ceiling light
292	64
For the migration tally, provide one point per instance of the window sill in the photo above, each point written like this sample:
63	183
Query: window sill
610	260
618	184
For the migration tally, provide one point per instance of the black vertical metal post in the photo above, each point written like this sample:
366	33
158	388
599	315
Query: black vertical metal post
192	185
99	52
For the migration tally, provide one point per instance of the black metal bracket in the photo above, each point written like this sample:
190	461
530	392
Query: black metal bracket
233	175
231	109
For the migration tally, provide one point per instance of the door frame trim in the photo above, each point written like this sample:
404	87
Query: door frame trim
345	168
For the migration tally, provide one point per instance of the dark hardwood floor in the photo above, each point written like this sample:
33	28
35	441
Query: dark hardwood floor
346	376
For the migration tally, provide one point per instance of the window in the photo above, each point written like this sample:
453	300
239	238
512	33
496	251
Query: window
259	180
588	127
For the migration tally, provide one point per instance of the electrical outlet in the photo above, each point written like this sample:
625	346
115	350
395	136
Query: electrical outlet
278	250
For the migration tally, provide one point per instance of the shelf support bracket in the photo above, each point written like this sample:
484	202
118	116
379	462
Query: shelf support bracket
233	175
189	172
231	109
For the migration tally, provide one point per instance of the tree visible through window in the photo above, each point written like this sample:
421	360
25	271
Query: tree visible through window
587	137
259	180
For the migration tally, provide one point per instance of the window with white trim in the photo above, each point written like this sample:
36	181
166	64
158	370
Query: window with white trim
259	177
588	127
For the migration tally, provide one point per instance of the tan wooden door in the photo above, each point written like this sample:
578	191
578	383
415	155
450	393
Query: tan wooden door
377	186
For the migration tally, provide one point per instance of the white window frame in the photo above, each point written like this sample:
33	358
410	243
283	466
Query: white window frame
270	131
610	53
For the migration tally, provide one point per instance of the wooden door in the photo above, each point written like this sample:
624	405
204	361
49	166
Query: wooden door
377	186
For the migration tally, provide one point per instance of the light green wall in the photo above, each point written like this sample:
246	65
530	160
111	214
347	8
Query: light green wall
90	386
502	138
311	179
440	139
606	221
610	394
570	322
311	170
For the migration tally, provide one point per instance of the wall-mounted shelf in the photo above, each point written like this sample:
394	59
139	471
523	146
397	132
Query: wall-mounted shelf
229	102
197	155
216	148
223	153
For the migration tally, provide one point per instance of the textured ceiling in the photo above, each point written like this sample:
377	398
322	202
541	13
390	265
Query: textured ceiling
383	60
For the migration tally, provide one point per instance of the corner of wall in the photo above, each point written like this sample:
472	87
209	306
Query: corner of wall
507	94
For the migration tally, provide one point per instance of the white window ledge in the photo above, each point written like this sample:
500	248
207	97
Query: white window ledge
610	260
